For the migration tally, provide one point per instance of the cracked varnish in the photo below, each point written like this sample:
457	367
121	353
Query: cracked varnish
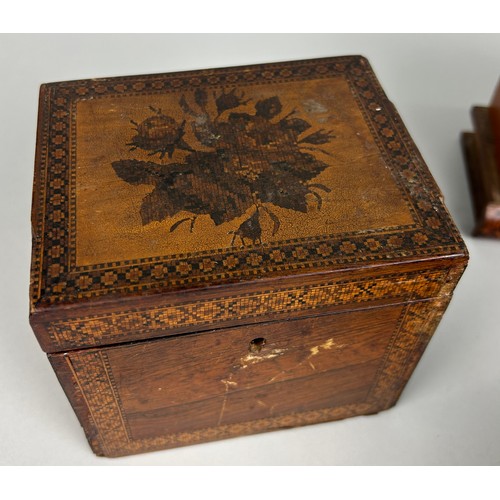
210	379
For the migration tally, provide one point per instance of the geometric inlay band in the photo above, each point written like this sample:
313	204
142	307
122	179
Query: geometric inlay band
151	322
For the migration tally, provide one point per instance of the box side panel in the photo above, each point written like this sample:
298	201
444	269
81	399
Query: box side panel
70	384
196	388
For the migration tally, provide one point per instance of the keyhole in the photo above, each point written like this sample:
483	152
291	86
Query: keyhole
256	344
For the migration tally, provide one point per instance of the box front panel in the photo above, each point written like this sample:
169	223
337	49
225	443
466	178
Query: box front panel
206	386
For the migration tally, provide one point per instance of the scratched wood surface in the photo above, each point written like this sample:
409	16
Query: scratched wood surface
230	251
196	388
223	381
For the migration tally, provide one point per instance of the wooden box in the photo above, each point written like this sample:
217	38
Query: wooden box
482	156
231	251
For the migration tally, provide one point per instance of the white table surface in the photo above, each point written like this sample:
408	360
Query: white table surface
449	412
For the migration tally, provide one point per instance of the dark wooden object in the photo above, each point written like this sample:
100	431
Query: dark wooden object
482	154
231	251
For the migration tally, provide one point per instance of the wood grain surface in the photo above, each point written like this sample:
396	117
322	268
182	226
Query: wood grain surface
230	251
134	397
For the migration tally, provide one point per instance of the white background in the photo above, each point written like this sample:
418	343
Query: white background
449	412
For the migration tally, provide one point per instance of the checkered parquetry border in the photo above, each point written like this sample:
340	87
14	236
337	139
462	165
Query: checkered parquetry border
152	322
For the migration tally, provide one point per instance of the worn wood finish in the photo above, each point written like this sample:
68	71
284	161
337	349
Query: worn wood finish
229	251
152	395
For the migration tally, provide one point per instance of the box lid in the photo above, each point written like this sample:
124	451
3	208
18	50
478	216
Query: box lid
154	184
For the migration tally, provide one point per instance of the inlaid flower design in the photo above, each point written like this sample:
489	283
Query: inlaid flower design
242	162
